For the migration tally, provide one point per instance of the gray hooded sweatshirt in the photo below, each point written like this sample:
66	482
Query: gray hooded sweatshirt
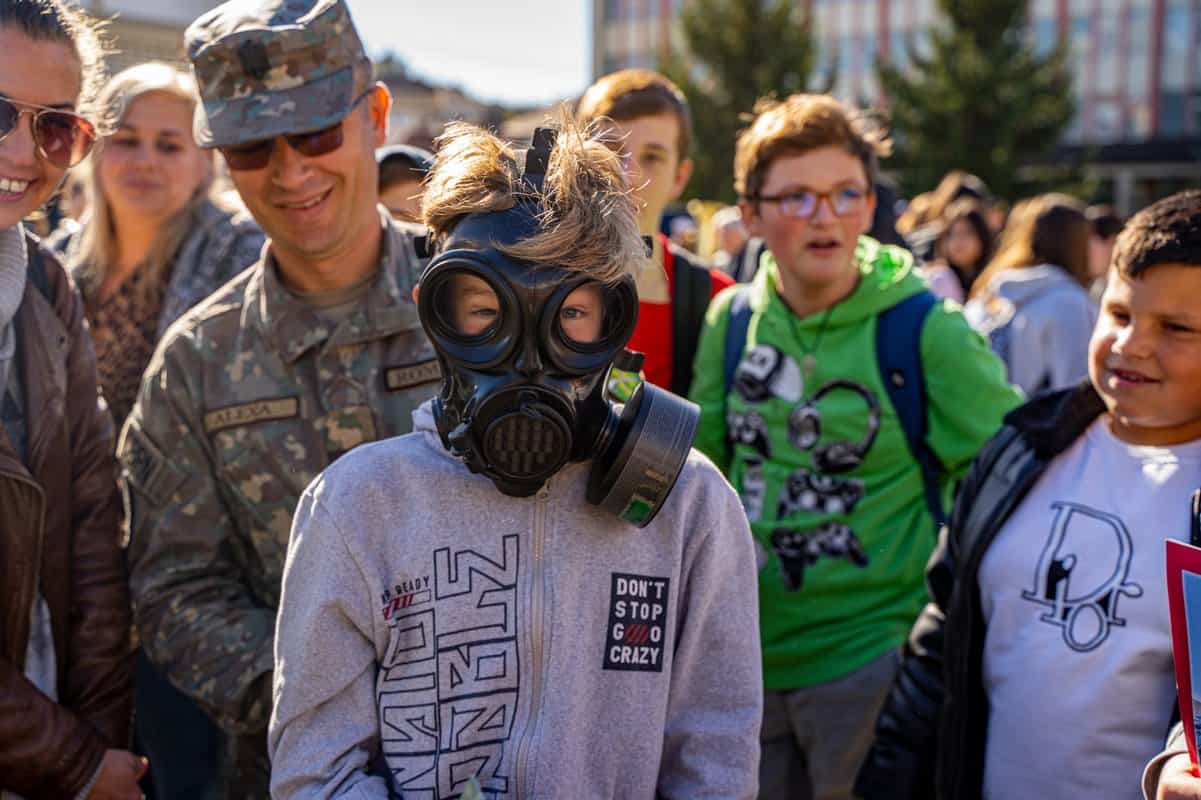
1039	321
433	631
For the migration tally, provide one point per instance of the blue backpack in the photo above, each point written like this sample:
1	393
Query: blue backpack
898	355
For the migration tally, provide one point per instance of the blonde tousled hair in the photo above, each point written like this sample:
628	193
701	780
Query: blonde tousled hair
97	248
588	218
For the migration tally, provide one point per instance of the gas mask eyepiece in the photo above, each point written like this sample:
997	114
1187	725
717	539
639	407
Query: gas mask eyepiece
525	350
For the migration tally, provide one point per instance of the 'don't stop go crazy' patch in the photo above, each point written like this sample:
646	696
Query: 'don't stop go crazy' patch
637	623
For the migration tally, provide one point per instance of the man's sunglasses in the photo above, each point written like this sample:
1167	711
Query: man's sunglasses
63	139
255	155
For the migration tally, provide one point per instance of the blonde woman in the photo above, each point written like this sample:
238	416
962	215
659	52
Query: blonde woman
158	238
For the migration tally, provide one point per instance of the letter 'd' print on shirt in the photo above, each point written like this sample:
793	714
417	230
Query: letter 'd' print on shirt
1082	572
637	623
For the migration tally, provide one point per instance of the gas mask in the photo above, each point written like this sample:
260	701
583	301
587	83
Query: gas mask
525	350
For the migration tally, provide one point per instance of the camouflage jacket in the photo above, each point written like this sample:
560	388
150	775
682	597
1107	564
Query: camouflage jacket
247	398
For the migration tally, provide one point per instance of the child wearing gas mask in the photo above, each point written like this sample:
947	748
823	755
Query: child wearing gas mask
535	594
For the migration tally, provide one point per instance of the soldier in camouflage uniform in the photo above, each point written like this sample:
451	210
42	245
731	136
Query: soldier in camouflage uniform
314	350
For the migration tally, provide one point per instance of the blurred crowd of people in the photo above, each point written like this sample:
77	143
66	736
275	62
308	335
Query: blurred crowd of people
292	419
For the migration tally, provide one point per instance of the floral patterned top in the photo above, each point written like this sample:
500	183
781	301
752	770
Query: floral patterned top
125	331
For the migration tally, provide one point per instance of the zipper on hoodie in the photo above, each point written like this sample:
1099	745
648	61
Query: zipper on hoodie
538	557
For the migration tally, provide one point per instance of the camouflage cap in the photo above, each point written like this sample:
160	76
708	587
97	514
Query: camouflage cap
267	68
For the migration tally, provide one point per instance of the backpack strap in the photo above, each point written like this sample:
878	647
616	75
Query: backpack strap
898	354
738	321
690	291
748	264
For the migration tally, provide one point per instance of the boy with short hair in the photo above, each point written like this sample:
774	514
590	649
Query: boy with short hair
650	123
795	408
466	609
1048	600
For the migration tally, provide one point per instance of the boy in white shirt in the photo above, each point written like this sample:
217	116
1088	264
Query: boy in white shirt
1048	607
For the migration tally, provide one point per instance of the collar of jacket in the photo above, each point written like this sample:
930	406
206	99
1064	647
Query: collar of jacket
292	326
1051	422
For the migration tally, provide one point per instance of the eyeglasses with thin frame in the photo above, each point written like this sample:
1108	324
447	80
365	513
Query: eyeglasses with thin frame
256	155
804	204
63	138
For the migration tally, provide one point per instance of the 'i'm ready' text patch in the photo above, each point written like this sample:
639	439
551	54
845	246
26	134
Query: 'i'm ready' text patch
637	623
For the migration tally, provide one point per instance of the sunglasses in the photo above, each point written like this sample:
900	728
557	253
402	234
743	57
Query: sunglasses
63	138
255	155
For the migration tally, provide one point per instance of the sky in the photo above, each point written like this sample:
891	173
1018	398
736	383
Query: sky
514	52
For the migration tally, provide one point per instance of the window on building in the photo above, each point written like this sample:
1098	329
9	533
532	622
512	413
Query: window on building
898	15
898	49
1108	51
1138	58
1044	34
1107	122
1173	107
1177	50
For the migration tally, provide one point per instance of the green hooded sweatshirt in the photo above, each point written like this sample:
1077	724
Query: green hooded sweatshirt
820	460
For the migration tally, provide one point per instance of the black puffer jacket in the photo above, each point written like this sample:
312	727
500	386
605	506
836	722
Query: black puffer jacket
930	735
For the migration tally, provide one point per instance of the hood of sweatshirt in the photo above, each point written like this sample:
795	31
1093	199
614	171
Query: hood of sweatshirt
886	277
1023	286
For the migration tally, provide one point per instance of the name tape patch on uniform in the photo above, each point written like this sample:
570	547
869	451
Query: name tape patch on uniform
246	413
397	378
637	623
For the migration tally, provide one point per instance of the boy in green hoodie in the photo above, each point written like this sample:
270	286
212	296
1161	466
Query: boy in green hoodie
805	429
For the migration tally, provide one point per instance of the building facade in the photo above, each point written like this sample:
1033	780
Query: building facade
1136	63
146	30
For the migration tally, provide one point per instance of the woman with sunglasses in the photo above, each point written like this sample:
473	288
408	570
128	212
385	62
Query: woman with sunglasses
158	238
66	668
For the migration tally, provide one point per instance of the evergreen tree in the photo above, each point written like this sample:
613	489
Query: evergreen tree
982	100
735	52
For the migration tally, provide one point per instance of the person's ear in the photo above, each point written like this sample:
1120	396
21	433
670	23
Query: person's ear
378	105
416	291
870	209
683	173
750	217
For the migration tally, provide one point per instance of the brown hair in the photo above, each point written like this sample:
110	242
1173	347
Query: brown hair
1165	232
1047	229
955	185
797	125
588	222
632	93
1106	221
54	21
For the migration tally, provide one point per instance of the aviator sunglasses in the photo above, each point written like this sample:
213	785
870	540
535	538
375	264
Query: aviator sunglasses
63	138
256	154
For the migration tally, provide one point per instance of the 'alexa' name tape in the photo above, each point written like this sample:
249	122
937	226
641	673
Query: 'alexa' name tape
246	413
